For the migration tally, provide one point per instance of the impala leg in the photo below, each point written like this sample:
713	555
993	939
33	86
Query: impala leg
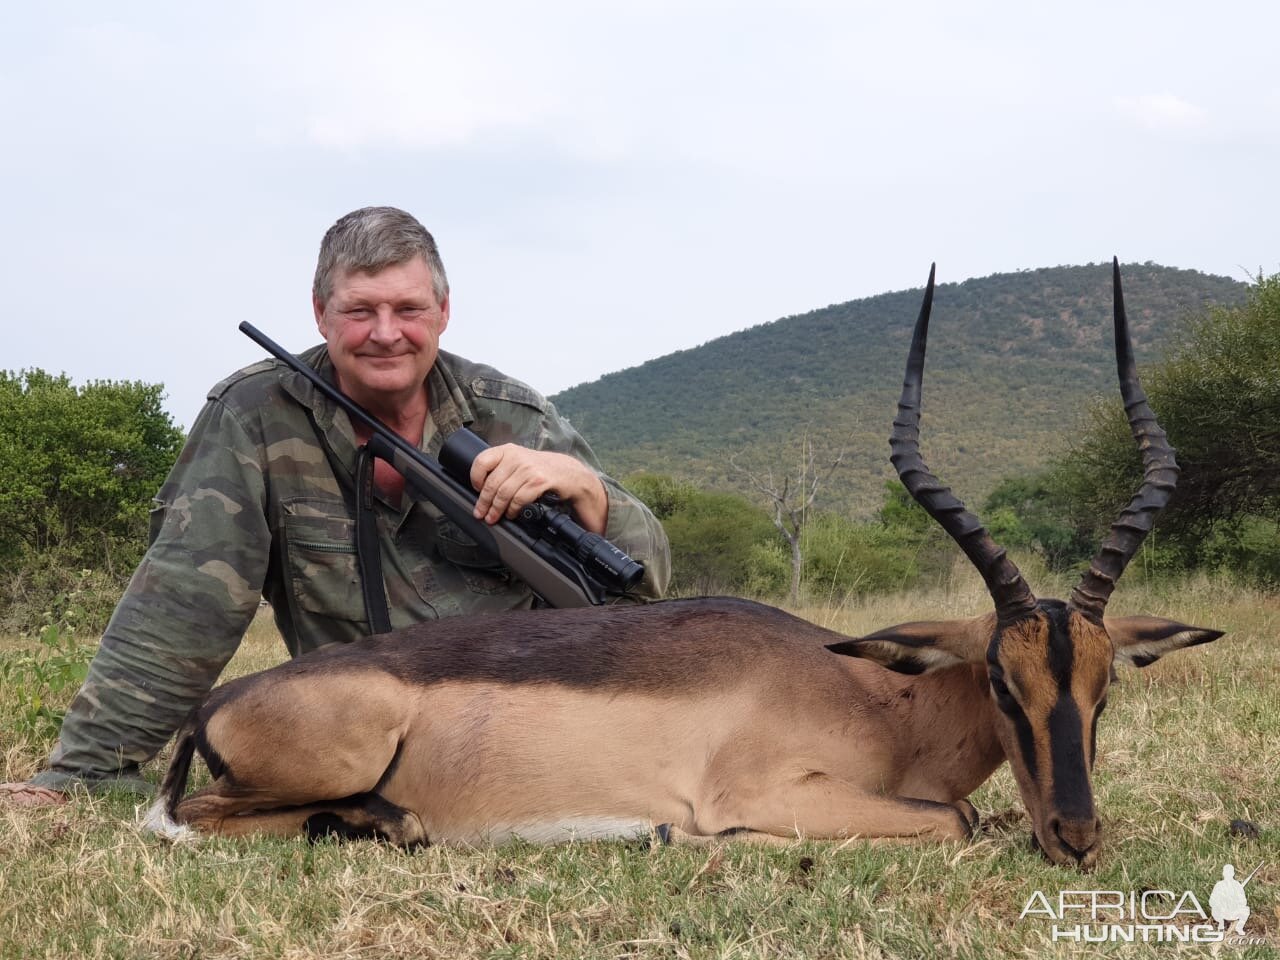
970	813
221	810
676	836
368	817
820	807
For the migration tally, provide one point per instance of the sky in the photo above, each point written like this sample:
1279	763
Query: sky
608	183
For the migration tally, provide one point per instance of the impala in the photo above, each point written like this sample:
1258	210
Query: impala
703	717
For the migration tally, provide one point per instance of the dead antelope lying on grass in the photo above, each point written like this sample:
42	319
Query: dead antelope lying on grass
707	716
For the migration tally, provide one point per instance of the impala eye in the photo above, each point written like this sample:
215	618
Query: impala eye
1004	698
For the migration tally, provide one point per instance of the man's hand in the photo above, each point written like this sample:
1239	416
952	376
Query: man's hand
25	795
509	477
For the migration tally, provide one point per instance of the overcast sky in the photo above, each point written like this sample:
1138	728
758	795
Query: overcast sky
607	182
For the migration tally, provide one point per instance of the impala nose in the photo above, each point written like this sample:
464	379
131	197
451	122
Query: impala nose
1078	837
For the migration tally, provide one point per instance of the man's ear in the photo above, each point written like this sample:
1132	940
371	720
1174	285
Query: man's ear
1141	641
318	308
918	647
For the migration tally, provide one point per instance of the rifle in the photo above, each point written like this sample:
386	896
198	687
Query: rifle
561	562
1245	883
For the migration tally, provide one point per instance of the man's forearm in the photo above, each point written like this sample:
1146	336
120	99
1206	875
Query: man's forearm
183	614
150	671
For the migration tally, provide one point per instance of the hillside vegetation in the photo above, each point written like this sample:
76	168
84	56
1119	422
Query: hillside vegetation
1013	361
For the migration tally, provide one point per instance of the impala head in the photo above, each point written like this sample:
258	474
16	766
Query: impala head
1049	663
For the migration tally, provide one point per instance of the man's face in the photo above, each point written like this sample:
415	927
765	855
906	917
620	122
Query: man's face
383	331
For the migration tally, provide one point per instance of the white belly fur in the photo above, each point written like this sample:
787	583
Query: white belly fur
559	831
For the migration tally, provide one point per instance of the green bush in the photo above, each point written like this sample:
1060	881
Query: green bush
41	683
720	542
1248	548
78	469
713	537
1217	395
843	558
664	495
905	526
1033	513
47	589
768	570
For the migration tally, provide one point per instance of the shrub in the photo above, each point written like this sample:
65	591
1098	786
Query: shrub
78	469
843	558
41	683
1218	397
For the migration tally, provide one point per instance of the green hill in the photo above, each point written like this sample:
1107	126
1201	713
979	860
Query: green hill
1013	361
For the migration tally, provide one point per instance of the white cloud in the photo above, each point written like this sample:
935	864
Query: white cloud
401	78
1163	112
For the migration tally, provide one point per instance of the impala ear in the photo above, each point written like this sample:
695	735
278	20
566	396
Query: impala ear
918	647
1141	641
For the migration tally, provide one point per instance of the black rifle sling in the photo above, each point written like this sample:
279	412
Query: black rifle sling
368	547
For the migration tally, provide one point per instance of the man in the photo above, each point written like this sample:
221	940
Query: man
1228	903
262	501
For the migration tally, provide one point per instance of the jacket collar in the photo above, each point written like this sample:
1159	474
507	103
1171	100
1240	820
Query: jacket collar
448	405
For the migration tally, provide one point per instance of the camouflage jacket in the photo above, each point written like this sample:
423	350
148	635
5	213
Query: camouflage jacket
257	505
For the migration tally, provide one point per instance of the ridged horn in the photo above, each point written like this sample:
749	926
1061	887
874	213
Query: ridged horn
1013	598
1159	477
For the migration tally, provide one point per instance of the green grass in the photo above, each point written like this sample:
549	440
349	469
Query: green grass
1187	746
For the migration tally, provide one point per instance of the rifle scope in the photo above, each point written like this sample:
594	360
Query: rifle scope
546	518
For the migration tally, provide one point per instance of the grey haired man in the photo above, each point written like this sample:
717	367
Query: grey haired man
258	504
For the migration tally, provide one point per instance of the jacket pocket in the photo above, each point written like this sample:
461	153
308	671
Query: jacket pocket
320	550
480	572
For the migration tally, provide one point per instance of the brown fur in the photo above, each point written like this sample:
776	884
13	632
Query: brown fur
741	718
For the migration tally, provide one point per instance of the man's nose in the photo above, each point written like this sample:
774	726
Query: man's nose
384	328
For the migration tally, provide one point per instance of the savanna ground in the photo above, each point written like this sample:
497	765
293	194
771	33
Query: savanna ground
1186	747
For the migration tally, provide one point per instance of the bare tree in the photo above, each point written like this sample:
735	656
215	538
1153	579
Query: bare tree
791	498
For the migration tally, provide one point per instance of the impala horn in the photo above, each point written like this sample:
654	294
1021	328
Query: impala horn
1013	598
1159	478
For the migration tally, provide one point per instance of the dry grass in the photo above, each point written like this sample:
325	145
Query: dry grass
1188	745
